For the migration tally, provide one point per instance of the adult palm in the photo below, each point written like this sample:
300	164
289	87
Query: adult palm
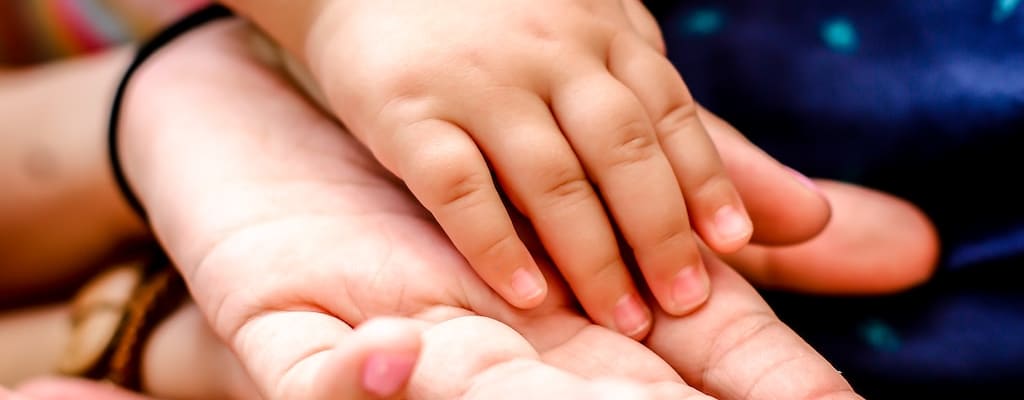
289	234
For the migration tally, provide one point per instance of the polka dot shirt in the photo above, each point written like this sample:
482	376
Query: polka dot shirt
922	99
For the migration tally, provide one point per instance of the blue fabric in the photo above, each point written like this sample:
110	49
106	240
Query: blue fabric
922	99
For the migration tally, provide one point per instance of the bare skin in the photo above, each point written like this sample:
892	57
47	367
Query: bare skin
259	210
60	211
317	230
183	359
570	106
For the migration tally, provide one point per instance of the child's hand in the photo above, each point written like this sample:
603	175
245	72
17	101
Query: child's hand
584	123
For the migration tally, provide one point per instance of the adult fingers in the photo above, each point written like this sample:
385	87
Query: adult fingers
875	243
736	348
532	380
474	357
184	359
311	355
375	362
785	206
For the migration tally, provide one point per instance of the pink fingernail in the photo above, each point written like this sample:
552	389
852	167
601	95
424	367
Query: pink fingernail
385	374
803	179
631	316
690	289
731	225
525	285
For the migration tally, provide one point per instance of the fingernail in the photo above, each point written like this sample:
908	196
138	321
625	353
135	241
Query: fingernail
525	285
385	374
631	316
690	289
804	180
731	225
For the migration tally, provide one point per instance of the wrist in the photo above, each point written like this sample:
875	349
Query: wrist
122	221
132	139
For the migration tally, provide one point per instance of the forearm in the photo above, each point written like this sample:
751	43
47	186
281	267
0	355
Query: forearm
61	209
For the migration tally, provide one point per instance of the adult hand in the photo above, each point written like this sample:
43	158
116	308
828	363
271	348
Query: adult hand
873	243
289	234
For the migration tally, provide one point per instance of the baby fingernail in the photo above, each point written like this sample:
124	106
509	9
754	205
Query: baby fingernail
690	289
731	225
525	285
385	374
631	316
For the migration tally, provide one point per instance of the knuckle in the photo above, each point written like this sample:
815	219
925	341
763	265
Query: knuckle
462	189
390	122
447	175
677	118
665	235
404	106
390	80
457	67
402	83
540	29
566	189
610	271
494	246
631	143
710	184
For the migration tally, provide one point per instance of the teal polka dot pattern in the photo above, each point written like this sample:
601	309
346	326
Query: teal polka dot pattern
840	35
1004	9
880	335
898	96
704	22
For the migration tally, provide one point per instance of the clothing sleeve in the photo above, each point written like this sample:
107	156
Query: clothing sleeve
33	31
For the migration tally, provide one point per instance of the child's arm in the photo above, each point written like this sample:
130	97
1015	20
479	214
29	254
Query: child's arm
582	121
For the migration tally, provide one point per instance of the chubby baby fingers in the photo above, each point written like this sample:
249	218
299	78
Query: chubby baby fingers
544	179
613	136
445	170
716	209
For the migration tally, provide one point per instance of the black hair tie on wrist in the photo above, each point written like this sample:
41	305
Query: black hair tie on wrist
166	36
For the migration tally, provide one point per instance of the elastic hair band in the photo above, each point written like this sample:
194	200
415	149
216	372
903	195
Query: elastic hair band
149	48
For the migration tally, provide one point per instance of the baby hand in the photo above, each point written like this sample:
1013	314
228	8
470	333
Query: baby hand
585	124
